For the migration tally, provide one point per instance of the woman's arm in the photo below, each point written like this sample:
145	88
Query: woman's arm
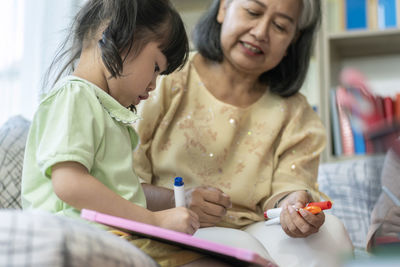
296	168
209	203
158	198
74	185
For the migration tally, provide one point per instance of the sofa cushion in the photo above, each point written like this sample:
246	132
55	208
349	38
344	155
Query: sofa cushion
354	187
37	238
12	146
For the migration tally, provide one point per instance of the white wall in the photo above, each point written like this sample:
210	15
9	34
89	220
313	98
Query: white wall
43	23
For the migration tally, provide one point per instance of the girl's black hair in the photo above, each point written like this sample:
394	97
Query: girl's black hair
288	76
128	26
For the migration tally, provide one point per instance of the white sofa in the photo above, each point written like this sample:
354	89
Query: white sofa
353	185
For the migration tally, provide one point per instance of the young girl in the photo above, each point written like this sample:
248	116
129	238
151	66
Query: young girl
79	149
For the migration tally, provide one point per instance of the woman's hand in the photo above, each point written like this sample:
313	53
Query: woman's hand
178	219
209	203
302	223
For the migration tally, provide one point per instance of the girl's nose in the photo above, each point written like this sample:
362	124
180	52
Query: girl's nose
153	83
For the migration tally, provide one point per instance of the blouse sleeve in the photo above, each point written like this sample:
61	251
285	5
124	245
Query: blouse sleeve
69	136
297	154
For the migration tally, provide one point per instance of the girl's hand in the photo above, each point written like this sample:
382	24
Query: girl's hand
302	223
209	203
178	219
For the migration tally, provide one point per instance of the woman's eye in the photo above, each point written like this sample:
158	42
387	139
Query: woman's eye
156	68
279	27
252	13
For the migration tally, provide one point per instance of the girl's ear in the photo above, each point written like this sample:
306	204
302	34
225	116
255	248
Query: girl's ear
221	11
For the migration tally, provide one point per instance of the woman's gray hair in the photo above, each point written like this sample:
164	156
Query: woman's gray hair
288	76
308	14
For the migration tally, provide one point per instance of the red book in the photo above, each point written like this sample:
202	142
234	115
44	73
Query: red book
397	105
367	107
380	110
344	122
388	108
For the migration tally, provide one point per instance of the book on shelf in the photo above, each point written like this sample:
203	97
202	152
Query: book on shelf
387	17
359	141
356	14
379	107
346	133
397	107
337	139
349	137
388	108
364	14
382	14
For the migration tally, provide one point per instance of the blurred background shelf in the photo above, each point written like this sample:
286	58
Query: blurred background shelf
375	52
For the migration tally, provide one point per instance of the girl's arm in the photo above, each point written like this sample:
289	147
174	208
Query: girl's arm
74	185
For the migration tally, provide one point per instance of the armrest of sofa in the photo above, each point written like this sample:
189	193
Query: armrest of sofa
354	186
13	136
37	238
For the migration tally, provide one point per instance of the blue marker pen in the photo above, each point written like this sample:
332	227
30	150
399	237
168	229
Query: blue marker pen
179	192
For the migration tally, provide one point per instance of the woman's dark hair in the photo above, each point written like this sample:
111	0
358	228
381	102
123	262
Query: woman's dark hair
288	76
128	26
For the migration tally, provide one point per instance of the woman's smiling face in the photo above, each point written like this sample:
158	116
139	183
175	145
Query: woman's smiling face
255	34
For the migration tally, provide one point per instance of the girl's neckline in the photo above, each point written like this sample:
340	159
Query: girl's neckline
112	106
211	95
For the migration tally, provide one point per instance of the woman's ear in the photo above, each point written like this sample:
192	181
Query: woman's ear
295	38
222	10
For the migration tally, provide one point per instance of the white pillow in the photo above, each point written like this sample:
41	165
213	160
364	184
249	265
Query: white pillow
36	238
12	146
354	187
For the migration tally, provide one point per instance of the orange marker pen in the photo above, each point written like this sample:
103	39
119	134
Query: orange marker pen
313	207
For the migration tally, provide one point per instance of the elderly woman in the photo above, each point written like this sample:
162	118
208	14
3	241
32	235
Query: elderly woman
233	124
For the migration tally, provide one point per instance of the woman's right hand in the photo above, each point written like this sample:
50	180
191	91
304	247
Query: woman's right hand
209	203
303	224
178	219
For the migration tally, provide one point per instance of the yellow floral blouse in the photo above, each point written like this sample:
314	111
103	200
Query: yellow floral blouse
255	154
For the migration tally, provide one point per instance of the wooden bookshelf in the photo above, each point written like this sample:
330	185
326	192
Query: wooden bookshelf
362	48
361	43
